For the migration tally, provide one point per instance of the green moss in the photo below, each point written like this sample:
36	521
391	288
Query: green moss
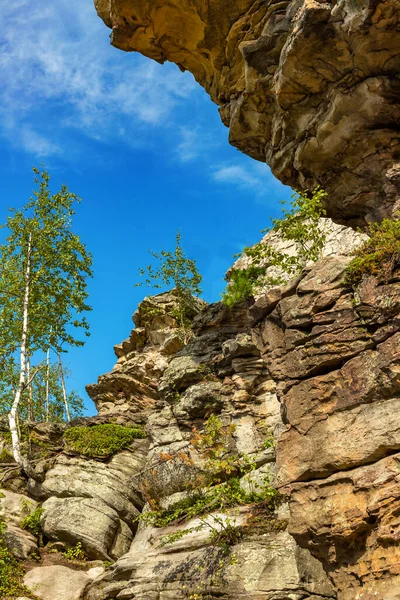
6	456
11	572
101	441
378	256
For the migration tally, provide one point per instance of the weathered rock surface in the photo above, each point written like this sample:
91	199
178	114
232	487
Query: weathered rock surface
13	509
308	86
335	357
56	583
313	365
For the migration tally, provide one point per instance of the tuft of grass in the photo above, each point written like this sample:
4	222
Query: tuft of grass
378	256
101	441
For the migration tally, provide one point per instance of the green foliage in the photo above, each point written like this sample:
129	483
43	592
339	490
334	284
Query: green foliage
32	406
300	224
219	497
75	552
59	263
378	256
32	521
176	270
101	441
241	285
11	572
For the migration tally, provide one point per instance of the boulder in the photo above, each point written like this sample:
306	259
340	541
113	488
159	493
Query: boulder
56	583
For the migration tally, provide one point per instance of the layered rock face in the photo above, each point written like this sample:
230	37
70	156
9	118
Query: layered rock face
313	365
318	366
219	372
308	86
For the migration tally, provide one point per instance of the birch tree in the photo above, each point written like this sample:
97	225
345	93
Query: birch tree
43	286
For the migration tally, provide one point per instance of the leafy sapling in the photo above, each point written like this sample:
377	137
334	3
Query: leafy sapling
301	225
175	269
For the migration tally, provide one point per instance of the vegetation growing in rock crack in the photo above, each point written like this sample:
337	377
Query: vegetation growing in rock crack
44	267
177	270
101	441
379	255
217	486
299	224
32	522
11	571
76	552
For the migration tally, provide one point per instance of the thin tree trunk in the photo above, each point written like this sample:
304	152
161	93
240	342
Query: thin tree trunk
30	391
12	417
63	387
47	404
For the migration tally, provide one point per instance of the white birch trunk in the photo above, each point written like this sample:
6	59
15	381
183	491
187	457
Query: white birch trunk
12	417
63	388
30	391
47	404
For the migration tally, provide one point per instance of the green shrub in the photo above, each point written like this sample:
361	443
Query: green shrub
379	256
32	521
241	285
220	497
301	225
11	572
75	552
101	441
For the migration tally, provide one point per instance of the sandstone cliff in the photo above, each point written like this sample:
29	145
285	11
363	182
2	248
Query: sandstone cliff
308	376
309	86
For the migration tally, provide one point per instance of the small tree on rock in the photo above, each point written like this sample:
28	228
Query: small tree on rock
176	270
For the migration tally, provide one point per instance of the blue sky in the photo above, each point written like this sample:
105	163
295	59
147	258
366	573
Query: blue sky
143	146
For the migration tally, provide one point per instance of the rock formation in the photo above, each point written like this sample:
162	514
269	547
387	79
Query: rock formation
313	365
309	86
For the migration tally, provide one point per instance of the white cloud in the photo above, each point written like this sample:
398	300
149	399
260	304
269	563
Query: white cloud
235	174
37	144
196	143
59	73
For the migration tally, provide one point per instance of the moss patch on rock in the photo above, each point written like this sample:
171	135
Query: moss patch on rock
101	441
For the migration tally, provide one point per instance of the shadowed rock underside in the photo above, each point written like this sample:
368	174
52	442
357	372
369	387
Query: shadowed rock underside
310	87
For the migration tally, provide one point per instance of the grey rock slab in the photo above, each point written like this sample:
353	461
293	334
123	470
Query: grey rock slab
109	483
56	583
88	521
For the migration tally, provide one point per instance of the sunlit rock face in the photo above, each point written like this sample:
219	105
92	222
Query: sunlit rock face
308	86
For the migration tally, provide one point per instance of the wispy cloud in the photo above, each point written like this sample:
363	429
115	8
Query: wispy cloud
196	143
37	144
59	73
248	175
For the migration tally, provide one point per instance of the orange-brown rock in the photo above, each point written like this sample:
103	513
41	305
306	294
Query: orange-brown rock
309	86
336	355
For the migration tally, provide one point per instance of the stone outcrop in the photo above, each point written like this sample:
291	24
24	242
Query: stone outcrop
317	365
308	376
13	509
220	372
309	86
339	240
